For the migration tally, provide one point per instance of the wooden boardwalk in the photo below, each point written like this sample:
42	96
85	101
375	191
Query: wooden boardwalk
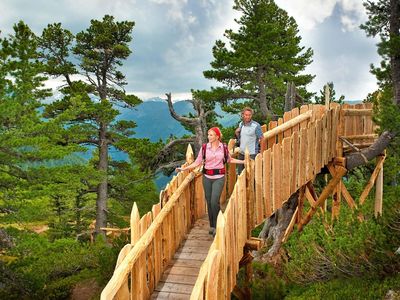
170	259
180	276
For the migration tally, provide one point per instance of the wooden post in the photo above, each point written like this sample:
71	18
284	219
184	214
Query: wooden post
327	97
337	193
135	228
379	193
189	155
123	292
249	193
379	165
325	193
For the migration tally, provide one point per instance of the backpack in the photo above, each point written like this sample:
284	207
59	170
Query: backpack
226	152
237	144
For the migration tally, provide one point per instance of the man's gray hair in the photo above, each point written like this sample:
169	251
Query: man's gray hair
247	109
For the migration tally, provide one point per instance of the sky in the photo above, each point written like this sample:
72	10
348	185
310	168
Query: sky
173	39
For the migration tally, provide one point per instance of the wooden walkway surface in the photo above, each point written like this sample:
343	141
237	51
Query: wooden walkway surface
180	276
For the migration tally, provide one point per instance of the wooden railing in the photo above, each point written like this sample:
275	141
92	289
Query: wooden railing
155	238
294	149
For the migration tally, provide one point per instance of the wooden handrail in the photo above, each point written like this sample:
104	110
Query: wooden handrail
357	112
125	267
287	125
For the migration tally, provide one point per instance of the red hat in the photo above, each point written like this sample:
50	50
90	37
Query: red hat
217	132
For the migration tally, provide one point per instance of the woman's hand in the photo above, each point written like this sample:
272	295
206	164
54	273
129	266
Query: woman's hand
179	169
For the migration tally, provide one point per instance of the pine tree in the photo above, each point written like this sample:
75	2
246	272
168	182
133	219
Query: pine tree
260	59
94	87
24	135
332	93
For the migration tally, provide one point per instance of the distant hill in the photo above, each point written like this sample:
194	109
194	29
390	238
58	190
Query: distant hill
352	102
155	122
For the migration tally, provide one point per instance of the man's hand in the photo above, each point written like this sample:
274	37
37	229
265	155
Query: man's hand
237	132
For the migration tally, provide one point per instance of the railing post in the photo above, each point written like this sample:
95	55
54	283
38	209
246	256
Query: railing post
249	193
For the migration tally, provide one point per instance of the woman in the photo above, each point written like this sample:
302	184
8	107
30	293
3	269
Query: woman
214	154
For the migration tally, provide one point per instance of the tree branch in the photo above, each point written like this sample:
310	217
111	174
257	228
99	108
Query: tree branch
164	153
188	121
361	157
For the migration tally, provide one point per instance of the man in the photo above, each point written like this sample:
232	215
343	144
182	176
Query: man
249	135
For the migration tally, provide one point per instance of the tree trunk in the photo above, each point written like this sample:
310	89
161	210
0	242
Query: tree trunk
262	95
360	158
275	226
395	55
199	123
101	203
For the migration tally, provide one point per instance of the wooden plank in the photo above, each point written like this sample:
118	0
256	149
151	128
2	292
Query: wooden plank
177	278
202	248
135	226
286	117
192	263
351	112
310	152
280	132
295	112
289	229
186	255
286	162
324	142
231	178
182	270
379	194
158	266
277	177
213	286
321	199
167	295
267	182
334	132
152	282
358	124
272	139
368	124
303	110
283	126
295	162
145	292
259	216
302	156
123	292
174	288
343	190
155	210
379	164
184	267
318	148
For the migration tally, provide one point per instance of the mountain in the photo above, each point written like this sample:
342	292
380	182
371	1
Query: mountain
155	122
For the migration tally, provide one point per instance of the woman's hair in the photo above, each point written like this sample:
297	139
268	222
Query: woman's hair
217	132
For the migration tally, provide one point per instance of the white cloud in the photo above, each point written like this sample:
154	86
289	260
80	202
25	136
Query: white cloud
349	24
173	39
310	13
175	96
176	9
